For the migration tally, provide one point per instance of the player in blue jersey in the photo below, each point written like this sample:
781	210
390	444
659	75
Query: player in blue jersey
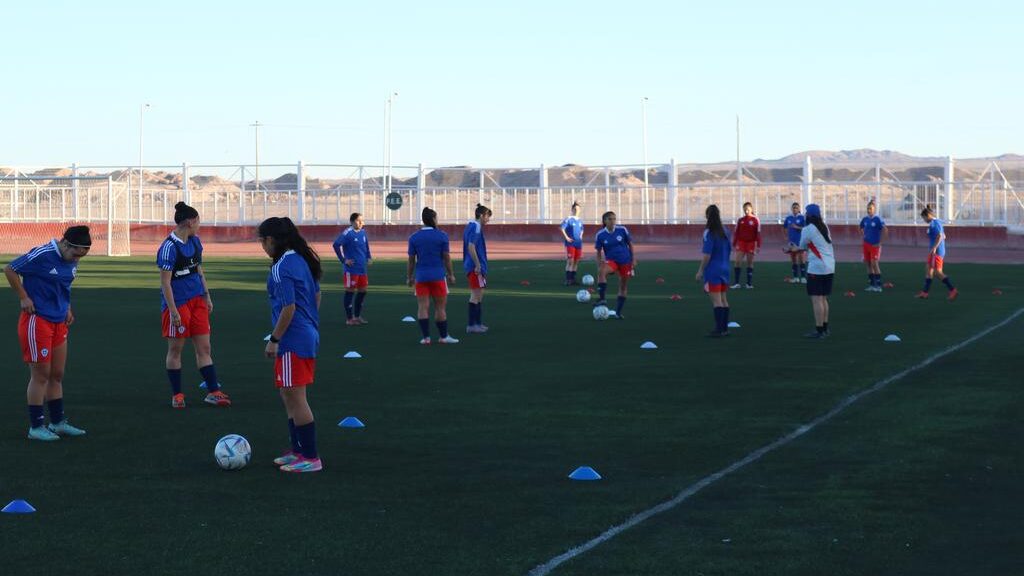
42	280
180	259
353	250
614	256
474	262
430	265
294	289
874	231
792	226
936	255
714	269
572	235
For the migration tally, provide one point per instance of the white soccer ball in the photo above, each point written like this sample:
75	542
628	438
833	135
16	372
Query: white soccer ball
232	452
600	312
588	280
583	296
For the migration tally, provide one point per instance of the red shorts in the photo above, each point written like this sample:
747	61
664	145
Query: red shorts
934	261
715	288
356	280
435	288
195	319
291	371
746	246
623	269
476	281
574	253
872	252
39	337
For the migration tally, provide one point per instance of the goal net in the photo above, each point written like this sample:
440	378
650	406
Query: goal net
37	208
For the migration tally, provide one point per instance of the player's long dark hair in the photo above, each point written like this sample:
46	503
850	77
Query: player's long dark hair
184	212
821	226
481	210
927	210
286	237
429	217
714	221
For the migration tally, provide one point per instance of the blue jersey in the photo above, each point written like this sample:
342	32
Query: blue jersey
428	244
934	233
290	282
872	227
793	234
573	227
474	234
718	248
616	244
182	260
353	245
47	279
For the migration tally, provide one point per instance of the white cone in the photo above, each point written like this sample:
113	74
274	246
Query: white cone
353	354
892	338
734	324
408	319
649	345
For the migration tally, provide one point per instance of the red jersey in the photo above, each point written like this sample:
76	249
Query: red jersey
748	229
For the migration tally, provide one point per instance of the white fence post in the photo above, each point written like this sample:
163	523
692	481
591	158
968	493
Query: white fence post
362	193
186	192
74	189
673	192
542	212
806	189
110	214
419	194
950	175
300	188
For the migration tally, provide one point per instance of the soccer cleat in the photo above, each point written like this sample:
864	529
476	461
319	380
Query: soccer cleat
64	428
601	302
447	340
483	329
803	280
178	400
749	286
304	465
42	433
218	398
352	322
869	289
474	330
736	286
362	320
814	335
953	294
425	341
288	457
922	295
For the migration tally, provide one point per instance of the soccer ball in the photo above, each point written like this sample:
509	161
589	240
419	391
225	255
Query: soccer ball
600	312
588	280
232	452
583	296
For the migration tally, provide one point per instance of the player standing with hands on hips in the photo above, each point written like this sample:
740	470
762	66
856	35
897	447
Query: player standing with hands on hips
874	231
42	280
353	249
430	264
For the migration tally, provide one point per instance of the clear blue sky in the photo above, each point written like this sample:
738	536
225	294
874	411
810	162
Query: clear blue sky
506	83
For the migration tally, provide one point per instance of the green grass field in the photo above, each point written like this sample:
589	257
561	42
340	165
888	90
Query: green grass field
462	466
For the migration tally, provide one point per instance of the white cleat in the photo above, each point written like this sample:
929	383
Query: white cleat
448	340
425	341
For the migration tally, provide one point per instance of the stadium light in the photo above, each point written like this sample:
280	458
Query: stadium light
142	119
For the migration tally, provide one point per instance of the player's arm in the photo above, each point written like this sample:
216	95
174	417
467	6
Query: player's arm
27	306
447	259
369	259
632	255
337	247
165	288
283	321
409	269
318	299
561	228
705	258
600	259
758	233
471	248
206	289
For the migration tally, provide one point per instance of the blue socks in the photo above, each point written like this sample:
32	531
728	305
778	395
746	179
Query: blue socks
174	375
357	309
750	276
210	375
948	283
803	270
601	287
721	318
475	314
442	327
56	410
35	415
348	304
928	285
568	276
619	303
296	447
796	270
307	440
424	327
736	271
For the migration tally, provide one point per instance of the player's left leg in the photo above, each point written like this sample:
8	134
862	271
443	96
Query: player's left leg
357	306
736	261
750	269
953	292
929	272
350	296
441	319
620	302
603	270
55	394
204	361
297	406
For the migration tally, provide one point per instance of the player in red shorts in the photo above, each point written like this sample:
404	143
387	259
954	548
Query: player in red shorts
571	230
352	248
936	255
746	241
430	266
614	256
714	269
180	259
474	262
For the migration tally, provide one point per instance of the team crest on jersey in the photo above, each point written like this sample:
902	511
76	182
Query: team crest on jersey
181	329
45	352
618	238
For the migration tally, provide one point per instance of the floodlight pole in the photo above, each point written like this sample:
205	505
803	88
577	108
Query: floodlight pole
643	120
256	175
142	118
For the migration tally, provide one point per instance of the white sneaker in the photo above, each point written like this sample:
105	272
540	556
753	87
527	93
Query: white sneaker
448	340
42	433
803	280
481	328
735	287
869	289
750	286
473	330
425	341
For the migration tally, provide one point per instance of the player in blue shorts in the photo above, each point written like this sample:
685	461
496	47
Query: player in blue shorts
353	250
474	262
714	269
430	265
572	236
936	255
614	255
42	280
874	230
797	258
294	289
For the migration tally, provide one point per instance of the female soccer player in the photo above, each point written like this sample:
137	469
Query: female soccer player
746	241
937	252
572	234
714	269
294	289
874	231
614	255
821	268
42	280
180	259
798	258
430	264
353	249
474	262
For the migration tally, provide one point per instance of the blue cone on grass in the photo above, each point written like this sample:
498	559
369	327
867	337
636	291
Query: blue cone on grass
18	507
584	473
351	422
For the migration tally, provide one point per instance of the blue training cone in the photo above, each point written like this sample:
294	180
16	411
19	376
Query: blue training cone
584	473
351	422
18	507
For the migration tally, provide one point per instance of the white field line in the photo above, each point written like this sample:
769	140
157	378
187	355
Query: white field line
689	491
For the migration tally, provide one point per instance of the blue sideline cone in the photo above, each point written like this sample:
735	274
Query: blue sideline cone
351	422
585	473
18	507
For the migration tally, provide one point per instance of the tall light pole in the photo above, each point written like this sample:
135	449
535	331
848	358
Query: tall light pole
388	105
643	119
257	125
142	119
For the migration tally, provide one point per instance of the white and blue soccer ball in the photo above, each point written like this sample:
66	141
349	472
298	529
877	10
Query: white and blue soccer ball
232	452
583	296
588	280
600	312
